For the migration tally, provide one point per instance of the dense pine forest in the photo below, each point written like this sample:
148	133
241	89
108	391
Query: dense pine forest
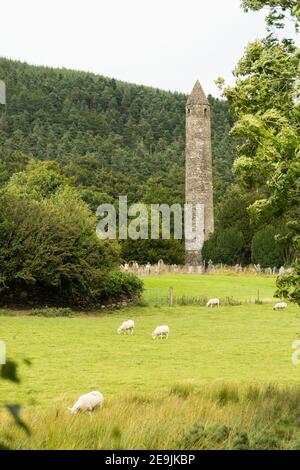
112	138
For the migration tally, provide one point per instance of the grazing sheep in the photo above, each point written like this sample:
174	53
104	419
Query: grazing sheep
126	327
280	306
87	402
213	303
161	332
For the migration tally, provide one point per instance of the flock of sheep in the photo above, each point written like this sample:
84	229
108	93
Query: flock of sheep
159	332
92	400
216	303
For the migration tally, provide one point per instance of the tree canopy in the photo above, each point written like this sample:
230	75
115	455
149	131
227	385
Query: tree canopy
266	102
49	250
278	10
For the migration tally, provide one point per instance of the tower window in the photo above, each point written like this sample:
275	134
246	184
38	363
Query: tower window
205	111
188	110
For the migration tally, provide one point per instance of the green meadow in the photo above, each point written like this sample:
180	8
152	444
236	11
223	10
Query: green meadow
240	286
236	347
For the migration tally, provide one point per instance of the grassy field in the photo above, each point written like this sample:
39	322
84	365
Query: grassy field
240	286
233	346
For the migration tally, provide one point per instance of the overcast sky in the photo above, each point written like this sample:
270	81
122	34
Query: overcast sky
161	43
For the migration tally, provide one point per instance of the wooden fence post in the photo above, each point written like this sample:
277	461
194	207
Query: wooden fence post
170	296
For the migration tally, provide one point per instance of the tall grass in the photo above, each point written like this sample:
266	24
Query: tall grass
51	312
202	301
219	416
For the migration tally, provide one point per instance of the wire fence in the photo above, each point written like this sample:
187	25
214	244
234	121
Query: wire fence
157	296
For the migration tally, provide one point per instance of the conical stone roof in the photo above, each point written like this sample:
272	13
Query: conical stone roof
197	96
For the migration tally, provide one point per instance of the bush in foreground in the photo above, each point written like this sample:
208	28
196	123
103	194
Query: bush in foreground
49	251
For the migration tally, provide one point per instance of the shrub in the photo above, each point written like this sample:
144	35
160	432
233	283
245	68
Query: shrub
194	436
265	250
49	251
266	440
224	246
118	284
144	251
205	437
288	285
241	441
219	433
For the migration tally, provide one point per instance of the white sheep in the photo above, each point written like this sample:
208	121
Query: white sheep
161	332
87	402
213	303
280	306
126	327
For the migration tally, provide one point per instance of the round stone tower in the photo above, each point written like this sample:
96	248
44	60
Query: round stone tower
198	164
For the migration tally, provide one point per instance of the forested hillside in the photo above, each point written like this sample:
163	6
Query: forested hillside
113	138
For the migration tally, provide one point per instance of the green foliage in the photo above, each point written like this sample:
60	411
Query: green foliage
9	372
241	441
224	246
49	250
288	285
40	180
232	212
195	437
219	433
117	284
265	440
266	251
96	127
144	251
265	99
278	10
